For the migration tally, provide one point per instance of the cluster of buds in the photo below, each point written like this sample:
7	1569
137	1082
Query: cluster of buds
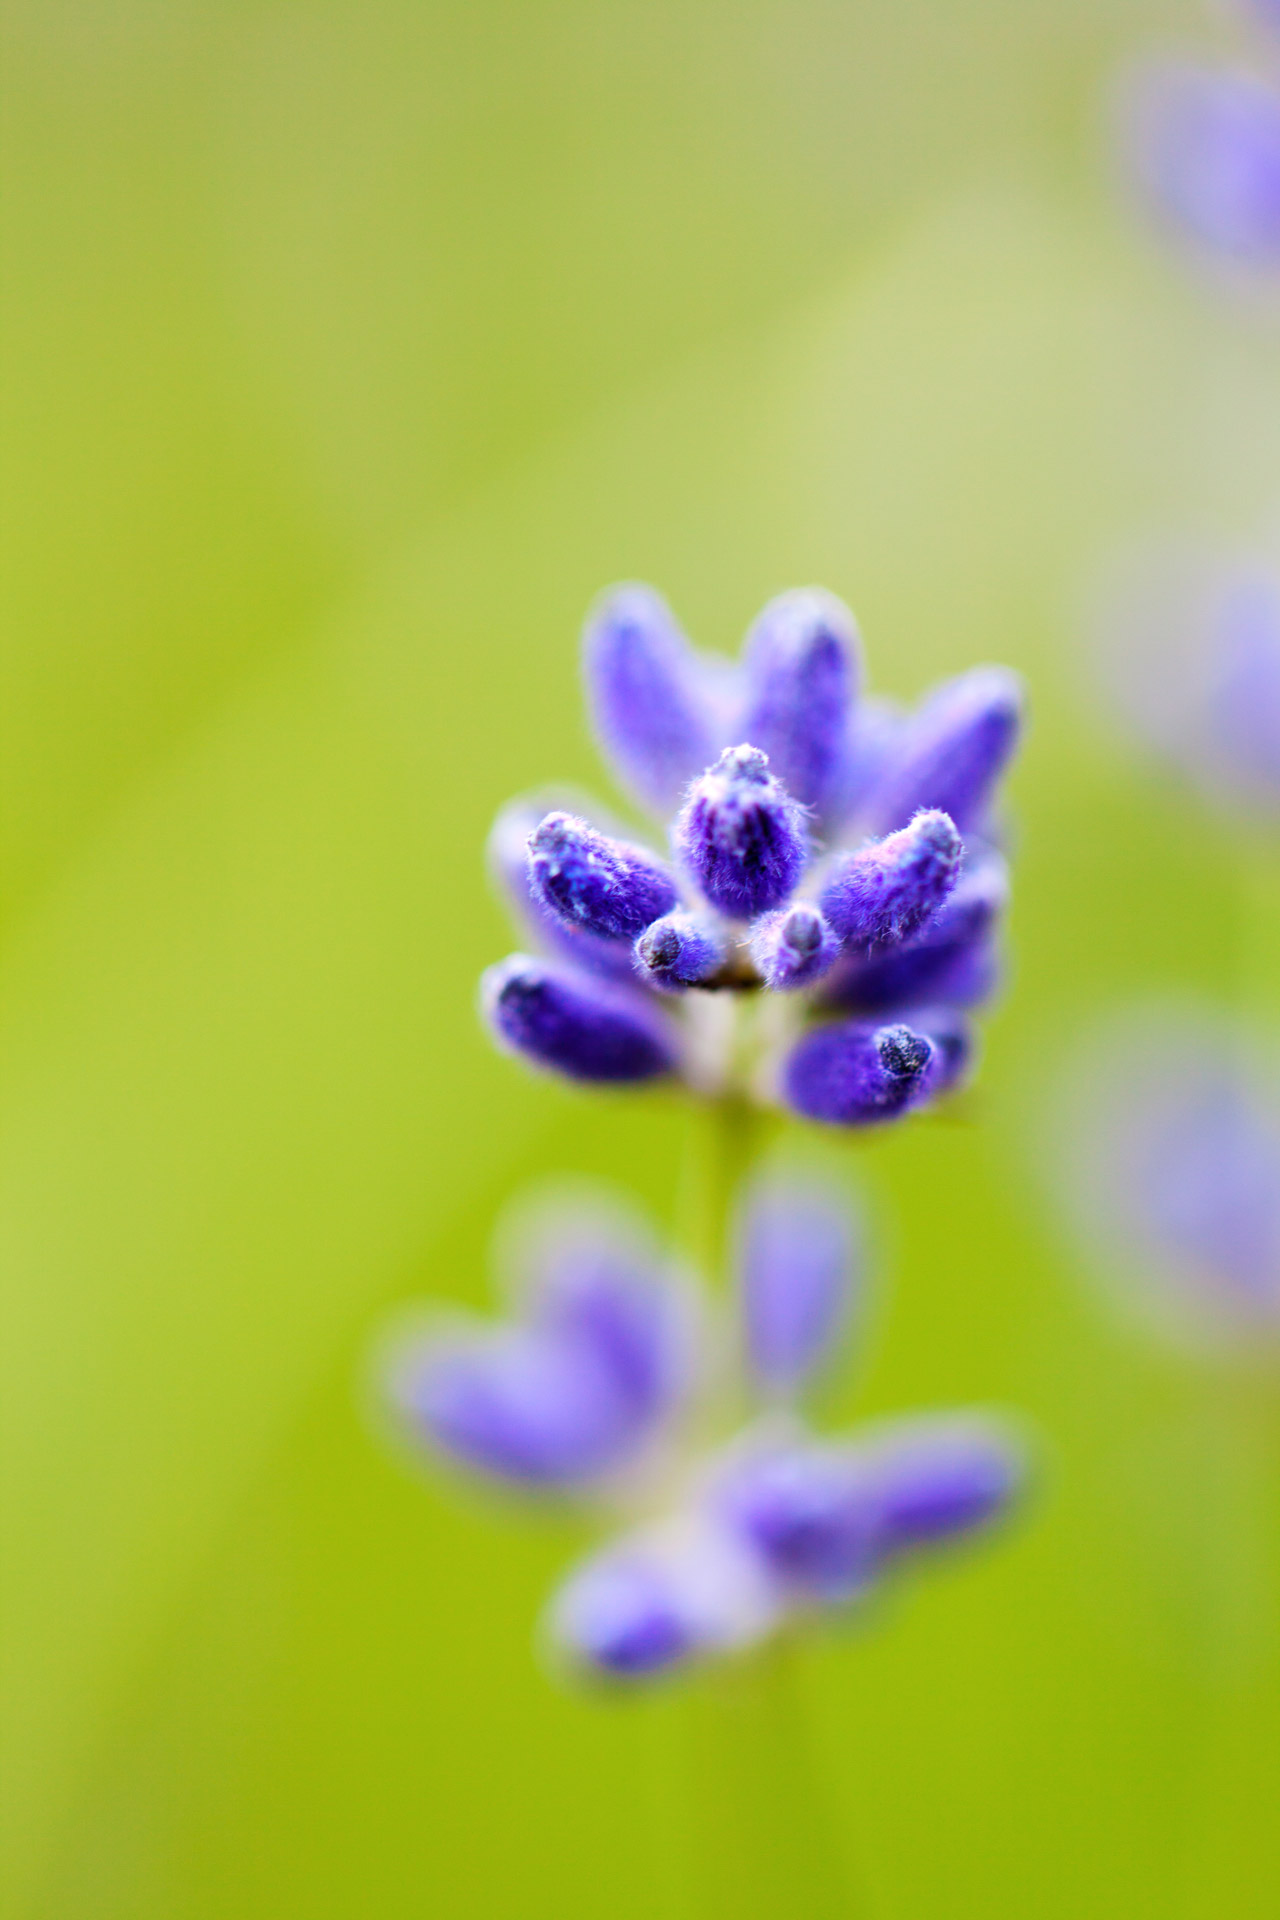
831	862
605	1386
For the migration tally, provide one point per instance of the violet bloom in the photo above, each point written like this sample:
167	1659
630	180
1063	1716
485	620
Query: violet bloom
1168	1160
1203	147
1190	651
586	1390
815	843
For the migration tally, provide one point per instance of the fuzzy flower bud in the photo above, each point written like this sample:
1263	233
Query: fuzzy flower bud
656	1600
572	1023
650	696
797	1260
884	893
793	946
802	668
950	959
679	951
591	881
938	1477
741	836
854	1074
953	750
805	1511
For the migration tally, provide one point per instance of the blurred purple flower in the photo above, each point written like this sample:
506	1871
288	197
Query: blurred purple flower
1168	1157
583	1390
1203	146
815	842
1190	650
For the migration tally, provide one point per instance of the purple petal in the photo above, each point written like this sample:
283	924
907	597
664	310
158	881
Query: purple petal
508	853
741	836
600	1291
953	751
793	947
950	961
803	1508
605	886
855	1074
885	893
572	1023
521	1405
798	1255
681	950
652	1602
939	1477
801	665
653	702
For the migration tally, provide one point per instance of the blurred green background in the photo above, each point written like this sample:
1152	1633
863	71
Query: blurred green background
349	349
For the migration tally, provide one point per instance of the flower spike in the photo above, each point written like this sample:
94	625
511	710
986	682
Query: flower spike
740	836
591	881
568	1021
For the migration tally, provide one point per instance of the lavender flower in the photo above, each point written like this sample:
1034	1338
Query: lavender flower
584	1390
1190	650
1203	147
817	840
1167	1159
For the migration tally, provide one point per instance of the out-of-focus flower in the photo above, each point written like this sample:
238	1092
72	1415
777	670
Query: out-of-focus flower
587	1388
1190	650
1203	146
826	854
1168	1160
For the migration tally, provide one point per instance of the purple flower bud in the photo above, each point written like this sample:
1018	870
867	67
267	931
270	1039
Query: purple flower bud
954	749
649	1603
680	951
884	893
578	1384
804	1509
602	1294
802	668
652	700
854	1074
508	852
793	947
572	1023
604	886
797	1261
951	960
741	836
520	1405
939	1477
1204	148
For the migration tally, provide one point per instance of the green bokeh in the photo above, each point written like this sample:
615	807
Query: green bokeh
349	350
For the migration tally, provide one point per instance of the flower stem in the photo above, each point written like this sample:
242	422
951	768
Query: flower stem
760	1842
762	1845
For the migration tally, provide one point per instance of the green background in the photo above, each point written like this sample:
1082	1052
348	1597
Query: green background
349	349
